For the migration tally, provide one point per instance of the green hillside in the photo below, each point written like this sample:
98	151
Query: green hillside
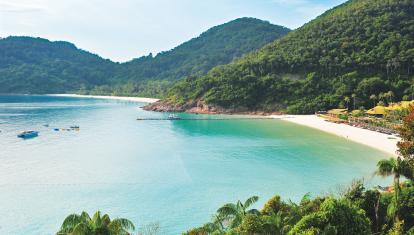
218	45
358	49
35	65
152	75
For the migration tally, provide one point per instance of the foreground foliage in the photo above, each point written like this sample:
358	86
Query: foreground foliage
359	211
83	224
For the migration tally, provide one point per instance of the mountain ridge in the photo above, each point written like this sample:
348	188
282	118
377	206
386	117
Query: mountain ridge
36	65
361	48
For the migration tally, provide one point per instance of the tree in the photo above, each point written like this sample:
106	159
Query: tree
405	98
347	100
274	223
390	96
406	145
251	224
236	212
83	224
354	98
397	168
336	216
217	224
374	99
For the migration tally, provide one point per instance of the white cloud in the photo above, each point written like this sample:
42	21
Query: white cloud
290	2
19	7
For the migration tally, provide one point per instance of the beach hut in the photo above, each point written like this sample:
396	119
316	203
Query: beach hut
406	104
337	115
377	111
337	112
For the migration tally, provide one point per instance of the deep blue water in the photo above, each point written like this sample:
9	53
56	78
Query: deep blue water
175	173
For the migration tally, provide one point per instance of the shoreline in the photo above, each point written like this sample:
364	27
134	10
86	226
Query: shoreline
383	142
124	98
369	138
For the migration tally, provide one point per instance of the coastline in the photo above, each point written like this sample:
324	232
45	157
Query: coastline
370	138
383	142
124	98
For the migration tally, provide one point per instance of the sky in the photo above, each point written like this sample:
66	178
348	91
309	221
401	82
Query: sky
121	30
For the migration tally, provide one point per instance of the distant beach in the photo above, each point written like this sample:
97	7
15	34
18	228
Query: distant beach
380	141
383	142
125	98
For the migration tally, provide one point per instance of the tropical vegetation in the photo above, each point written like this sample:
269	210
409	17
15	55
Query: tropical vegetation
83	224
354	55
38	66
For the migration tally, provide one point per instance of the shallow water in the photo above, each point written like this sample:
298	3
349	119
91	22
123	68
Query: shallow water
176	173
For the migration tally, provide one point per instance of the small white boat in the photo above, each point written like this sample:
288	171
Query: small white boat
28	134
173	117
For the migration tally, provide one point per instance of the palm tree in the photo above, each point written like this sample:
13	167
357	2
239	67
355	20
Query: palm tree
347	100
374	99
390	95
83	224
397	168
236	212
381	97
274	223
354	97
217	224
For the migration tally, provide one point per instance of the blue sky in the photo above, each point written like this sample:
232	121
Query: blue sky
124	29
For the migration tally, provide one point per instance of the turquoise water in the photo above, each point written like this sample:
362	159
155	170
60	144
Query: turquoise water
175	173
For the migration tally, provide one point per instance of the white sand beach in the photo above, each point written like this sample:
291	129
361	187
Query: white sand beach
134	99
383	142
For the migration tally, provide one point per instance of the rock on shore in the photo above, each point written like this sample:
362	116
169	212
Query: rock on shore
200	107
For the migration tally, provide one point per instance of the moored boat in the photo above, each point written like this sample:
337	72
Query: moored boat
173	117
28	134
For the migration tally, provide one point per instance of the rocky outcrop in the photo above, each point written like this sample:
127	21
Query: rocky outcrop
201	107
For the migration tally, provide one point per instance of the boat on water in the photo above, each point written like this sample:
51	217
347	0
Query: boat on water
28	134
173	117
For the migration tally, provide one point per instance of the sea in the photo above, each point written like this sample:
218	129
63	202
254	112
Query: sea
172	174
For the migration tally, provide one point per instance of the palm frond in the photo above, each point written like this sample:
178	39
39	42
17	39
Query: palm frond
70	223
253	211
81	229
386	167
106	220
96	216
250	201
305	198
392	208
228	210
122	224
237	220
85	215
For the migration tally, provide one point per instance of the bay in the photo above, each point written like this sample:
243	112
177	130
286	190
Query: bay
175	173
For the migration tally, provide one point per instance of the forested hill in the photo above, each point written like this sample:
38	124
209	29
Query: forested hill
218	45
358	49
35	65
152	76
